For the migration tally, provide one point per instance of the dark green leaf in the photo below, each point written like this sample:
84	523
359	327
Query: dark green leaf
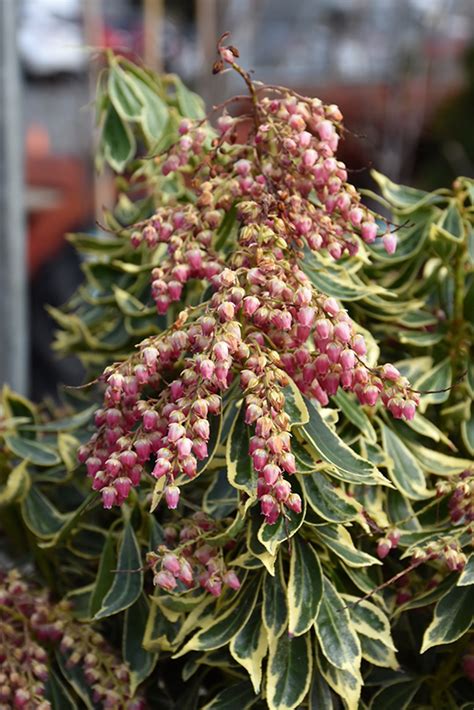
305	587
288	671
36	452
128	582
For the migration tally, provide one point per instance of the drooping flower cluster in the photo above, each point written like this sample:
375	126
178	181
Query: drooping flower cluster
29	621
461	501
265	320
187	560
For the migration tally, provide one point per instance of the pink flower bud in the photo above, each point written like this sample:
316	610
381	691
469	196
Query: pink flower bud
294	503
394	537
368	231
271	474
214	585
221	350
200	449
264	427
259	459
162	468
214	402
123	485
206	369
175	432
371	395
150	356
171	563
175	289
270	509
150	420
333	351
409	410
355	216
93	465
201	408
288	462
189	466
226	311
143	449
347	359
184	447
384	546
201	428
231	579
251	304
390	372
324	328
186	573
113	417
282	490
358	345
326	130
310	156
252	413
194	258
243	167
305	316
390	242
304	139
342	331
331	306
109	497
172	497
165	580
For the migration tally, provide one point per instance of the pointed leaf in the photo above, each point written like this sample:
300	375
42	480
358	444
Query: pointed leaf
305	587
330	447
249	647
288	671
38	453
452	618
274	607
327	500
403	467
336	634
128	581
467	575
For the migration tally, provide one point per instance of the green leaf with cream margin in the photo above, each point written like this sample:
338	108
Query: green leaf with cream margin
289	671
240	471
305	587
249	646
336	634
326	444
403	468
467	575
453	616
373	629
223	629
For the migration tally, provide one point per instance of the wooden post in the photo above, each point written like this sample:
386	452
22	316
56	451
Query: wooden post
153	20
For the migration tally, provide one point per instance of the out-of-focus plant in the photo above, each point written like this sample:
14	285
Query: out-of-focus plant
302	520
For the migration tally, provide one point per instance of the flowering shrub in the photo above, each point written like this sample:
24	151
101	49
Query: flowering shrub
260	516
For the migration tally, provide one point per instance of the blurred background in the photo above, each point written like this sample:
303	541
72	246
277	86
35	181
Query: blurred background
402	72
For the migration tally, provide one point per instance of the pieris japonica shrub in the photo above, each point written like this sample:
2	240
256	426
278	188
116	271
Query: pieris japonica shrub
264	489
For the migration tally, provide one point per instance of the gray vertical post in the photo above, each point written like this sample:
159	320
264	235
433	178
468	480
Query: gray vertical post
13	274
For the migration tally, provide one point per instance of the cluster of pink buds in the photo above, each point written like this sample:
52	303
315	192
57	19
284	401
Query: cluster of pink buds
187	560
29	620
188	234
461	501
387	543
446	550
23	661
265	319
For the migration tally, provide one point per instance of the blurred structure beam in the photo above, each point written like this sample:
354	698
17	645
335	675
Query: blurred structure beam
13	277
207	34
153	21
